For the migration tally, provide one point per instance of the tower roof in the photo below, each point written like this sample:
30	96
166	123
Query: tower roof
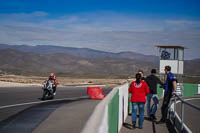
169	46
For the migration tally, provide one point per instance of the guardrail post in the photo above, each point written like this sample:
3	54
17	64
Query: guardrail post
182	115
174	109
169	111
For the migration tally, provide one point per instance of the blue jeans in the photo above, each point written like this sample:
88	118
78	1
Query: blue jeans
135	106
154	97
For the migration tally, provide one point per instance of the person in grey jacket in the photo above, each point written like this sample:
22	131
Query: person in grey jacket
152	81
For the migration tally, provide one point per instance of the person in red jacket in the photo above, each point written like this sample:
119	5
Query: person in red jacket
138	89
53	79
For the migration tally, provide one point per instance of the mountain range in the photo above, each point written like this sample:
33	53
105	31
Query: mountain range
80	52
78	62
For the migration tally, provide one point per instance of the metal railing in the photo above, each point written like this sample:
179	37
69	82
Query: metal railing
183	102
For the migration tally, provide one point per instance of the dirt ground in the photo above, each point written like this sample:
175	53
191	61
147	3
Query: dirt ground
14	80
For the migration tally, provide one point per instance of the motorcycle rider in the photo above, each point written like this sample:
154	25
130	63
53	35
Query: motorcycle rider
53	79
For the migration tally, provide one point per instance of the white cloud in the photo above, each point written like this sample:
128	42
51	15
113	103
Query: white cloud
106	31
185	22
26	16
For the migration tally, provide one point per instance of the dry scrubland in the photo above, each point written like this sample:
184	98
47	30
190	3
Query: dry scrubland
9	80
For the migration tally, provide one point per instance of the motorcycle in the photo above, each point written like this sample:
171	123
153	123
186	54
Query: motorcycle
48	90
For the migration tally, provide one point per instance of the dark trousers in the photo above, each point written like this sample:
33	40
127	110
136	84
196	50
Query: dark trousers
54	89
164	108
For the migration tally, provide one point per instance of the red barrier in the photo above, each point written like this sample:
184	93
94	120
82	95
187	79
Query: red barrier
95	92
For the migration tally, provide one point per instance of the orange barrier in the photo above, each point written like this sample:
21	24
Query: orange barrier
95	92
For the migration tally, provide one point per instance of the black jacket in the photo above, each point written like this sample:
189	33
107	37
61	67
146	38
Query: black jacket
152	82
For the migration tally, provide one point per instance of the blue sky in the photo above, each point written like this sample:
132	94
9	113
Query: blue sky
108	25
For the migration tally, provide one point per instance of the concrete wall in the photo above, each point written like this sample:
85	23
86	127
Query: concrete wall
110	113
198	88
123	105
187	89
190	89
176	65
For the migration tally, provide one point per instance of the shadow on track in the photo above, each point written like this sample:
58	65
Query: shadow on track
28	119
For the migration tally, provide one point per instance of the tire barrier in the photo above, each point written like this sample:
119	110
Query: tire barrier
95	92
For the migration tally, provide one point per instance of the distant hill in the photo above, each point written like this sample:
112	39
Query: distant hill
81	52
29	63
79	62
192	67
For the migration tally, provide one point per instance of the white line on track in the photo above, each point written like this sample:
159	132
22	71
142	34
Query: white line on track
29	103
90	86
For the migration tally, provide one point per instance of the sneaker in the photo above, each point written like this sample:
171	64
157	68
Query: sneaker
152	117
134	125
148	118
54	93
161	121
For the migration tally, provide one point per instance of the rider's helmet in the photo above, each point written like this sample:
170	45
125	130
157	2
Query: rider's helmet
51	76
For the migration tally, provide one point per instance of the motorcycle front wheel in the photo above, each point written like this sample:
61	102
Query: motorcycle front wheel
44	96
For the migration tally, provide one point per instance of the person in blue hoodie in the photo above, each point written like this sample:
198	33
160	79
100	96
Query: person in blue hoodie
169	89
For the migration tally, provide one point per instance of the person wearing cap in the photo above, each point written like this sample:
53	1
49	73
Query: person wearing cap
152	81
169	89
53	79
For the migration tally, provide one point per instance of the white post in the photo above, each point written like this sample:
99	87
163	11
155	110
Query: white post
123	105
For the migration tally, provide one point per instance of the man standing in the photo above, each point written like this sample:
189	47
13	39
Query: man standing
142	75
152	81
170	88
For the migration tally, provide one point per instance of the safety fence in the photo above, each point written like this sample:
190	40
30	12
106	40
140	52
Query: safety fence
183	90
173	115
109	114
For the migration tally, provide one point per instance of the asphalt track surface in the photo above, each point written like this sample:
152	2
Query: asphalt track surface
191	116
26	118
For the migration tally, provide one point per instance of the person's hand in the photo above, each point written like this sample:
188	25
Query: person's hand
173	93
